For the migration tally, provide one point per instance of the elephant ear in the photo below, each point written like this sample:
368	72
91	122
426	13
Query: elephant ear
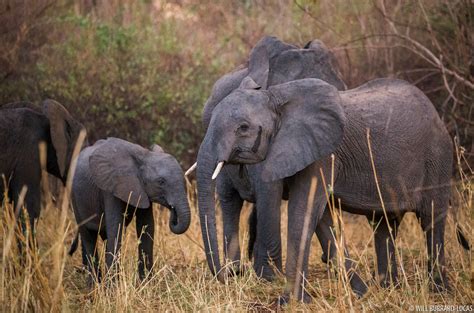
256	72
311	126
260	57
115	168
64	131
314	61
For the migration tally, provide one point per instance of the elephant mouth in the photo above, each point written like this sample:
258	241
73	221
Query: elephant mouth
246	156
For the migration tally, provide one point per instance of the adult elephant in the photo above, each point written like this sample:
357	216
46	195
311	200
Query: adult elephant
288	133
272	62
23	126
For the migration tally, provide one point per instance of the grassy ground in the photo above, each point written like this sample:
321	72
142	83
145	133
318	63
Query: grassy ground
52	281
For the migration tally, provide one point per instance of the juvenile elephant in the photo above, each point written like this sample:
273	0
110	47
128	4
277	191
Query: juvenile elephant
288	133
23	126
116	180
277	62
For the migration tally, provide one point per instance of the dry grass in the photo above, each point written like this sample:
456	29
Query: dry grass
49	280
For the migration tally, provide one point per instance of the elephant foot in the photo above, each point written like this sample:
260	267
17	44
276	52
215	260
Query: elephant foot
284	299
145	276
386	281
265	272
389	281
439	283
325	258
359	287
281	301
236	268
92	281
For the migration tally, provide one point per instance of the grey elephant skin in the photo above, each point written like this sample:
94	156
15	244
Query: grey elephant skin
271	62
116	180
290	131
23	125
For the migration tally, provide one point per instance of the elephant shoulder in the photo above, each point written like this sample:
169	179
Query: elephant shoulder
383	84
21	105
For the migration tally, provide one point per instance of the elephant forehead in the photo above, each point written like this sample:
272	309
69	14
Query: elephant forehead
243	102
162	162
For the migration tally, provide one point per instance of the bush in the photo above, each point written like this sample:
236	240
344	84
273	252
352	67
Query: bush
142	70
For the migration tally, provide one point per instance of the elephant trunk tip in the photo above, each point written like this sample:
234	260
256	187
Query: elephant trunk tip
179	223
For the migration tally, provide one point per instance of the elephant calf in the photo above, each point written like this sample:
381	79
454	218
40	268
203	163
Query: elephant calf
116	180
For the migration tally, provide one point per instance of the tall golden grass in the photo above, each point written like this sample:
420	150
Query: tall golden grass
47	279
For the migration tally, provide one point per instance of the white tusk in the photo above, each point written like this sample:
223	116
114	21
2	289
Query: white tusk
218	169
191	169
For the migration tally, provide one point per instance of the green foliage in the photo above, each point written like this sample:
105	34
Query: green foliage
142	70
128	81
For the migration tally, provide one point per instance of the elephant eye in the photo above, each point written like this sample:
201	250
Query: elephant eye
161	181
243	127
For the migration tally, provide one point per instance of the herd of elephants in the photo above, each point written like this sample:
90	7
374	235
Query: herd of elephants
280	127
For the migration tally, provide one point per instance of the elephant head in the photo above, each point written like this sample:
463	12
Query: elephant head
139	176
272	62
285	128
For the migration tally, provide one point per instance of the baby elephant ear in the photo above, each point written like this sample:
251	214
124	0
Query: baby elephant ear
115	168
311	128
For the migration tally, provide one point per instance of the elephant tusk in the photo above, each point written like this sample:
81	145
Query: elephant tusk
191	169
218	169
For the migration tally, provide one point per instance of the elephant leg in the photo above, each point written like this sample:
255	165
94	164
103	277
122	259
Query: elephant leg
303	216
325	236
252	221
145	225
267	247
33	207
231	205
26	222
385	250
90	257
434	226
326	239
114	225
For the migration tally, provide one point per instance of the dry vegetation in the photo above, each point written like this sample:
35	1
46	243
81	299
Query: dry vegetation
142	71
50	280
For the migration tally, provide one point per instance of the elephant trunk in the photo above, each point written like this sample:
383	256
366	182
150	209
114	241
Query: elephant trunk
207	211
180	217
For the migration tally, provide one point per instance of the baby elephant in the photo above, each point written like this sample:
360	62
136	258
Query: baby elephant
116	180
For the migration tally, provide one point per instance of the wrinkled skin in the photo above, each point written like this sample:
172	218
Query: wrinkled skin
237	183
116	180
23	126
289	132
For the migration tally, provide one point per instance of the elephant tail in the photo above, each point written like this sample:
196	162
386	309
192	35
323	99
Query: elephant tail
462	238
74	244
